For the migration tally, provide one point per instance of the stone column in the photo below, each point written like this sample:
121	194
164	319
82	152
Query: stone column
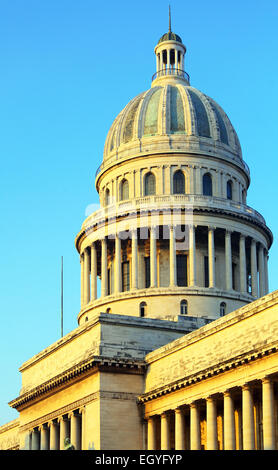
211	257
179	430
182	61
82	279
172	257
86	276
117	265
228	258
134	254
199	188
242	262
261	270
54	435
268	414
176	62
266	272
238	428
93	272
248	419
151	433
104	282
165	432
229	422
254	272
192	257
75	437
212	443
64	430
153	261
82	412
35	440
195	432
44	437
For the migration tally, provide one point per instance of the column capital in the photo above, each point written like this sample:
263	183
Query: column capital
43	427
165	413
246	386
266	379
52	422
211	228
62	418
193	404
74	414
211	398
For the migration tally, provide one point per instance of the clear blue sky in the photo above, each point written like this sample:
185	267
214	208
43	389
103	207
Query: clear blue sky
67	69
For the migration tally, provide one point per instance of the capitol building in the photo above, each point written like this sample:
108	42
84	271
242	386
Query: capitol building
176	344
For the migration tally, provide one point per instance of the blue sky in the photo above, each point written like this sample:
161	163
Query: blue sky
67	69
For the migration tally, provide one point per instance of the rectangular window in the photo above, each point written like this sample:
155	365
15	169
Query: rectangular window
125	276
182	270
206	271
147	272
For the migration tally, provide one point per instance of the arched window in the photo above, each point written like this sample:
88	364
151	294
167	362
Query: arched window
222	309
229	189
183	307
107	197
207	184
178	183
149	184
124	190
108	310
142	309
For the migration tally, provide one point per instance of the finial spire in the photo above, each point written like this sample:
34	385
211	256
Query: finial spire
170	19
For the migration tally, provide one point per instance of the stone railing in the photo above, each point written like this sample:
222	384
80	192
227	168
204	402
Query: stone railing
182	201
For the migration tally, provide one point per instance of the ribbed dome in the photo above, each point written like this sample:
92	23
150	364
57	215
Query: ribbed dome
169	118
170	37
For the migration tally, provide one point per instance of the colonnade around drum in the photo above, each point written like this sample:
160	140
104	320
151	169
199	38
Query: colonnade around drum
94	263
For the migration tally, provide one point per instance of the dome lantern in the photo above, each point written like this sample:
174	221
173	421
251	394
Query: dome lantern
170	52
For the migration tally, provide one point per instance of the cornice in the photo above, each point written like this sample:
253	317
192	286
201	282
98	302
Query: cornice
76	373
207	373
200	210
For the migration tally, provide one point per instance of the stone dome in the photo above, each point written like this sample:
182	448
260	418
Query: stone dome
179	118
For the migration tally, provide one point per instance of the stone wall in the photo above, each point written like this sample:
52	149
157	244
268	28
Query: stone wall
9	439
